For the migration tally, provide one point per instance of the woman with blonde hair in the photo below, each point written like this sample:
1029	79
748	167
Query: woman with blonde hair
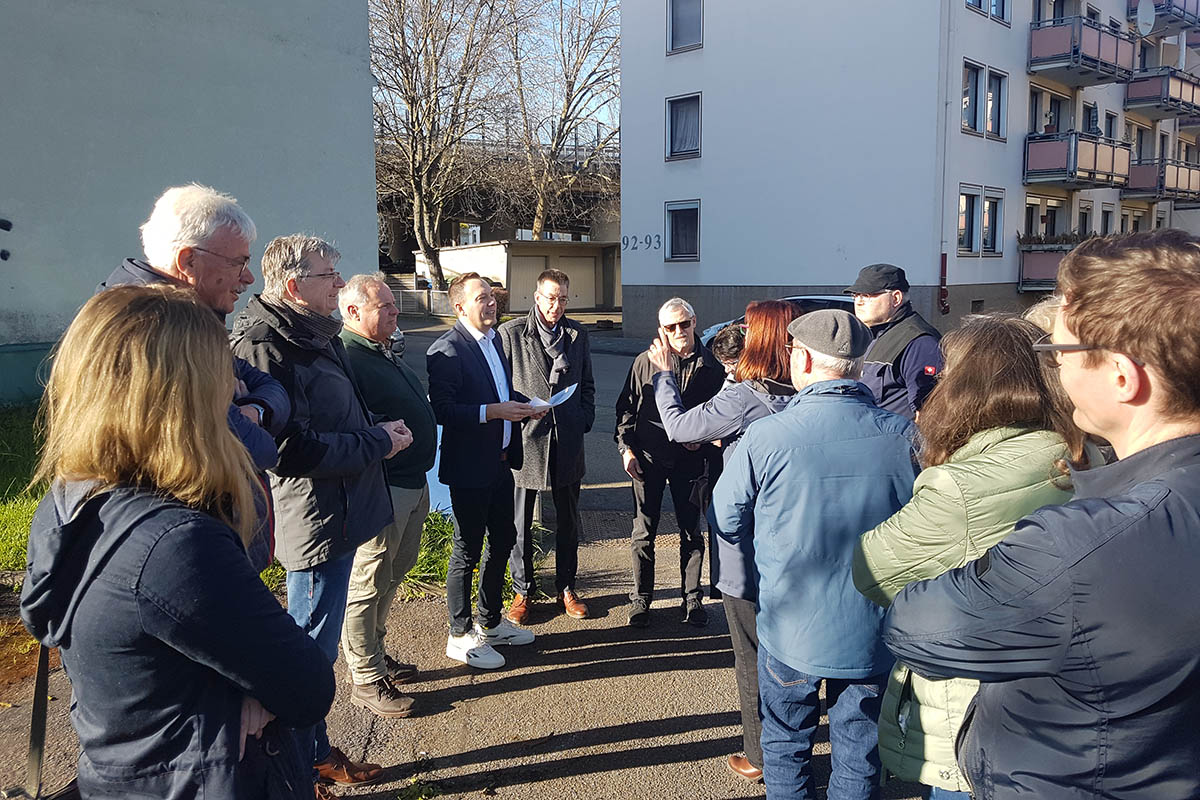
996	442
179	657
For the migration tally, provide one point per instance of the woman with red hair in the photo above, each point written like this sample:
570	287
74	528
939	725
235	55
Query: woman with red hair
763	386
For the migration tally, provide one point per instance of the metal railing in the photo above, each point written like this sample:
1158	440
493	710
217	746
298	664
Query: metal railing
1076	159
1179	12
1163	92
1087	52
1167	178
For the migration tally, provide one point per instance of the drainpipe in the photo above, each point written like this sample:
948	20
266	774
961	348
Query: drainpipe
943	147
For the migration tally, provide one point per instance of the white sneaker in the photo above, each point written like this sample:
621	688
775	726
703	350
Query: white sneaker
504	633
473	650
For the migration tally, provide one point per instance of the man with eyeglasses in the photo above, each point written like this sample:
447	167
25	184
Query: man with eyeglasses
905	356
1081	625
200	238
549	352
330	489
653	461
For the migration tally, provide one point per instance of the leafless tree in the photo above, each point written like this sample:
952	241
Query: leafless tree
564	77
435	65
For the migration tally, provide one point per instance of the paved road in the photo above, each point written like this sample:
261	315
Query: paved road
593	709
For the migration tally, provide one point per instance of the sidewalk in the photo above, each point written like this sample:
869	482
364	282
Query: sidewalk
604	340
593	709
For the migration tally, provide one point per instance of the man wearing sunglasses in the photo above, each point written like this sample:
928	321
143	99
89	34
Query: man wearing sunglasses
1082	624
653	461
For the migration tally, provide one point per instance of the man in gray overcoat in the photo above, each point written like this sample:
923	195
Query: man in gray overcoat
548	353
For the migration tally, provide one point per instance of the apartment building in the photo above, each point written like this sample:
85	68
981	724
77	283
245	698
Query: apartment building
775	147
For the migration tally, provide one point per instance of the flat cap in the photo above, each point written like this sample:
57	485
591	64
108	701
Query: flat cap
831	331
878	278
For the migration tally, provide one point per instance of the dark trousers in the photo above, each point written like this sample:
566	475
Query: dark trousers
566	538
476	511
647	505
743	633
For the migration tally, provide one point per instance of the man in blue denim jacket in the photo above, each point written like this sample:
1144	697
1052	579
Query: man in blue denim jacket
1082	624
808	481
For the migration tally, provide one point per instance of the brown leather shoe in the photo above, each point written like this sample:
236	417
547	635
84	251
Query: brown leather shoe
575	608
518	610
398	671
340	769
323	792
740	765
382	698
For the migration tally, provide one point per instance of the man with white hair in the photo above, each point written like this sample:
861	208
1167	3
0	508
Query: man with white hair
330	490
653	461
199	237
392	391
805	483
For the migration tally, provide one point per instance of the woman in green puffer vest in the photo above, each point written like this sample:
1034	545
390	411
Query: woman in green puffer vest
996	439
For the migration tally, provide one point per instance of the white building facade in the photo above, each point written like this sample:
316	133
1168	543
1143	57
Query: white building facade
107	104
775	147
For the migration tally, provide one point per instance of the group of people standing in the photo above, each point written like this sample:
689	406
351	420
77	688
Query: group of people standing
979	546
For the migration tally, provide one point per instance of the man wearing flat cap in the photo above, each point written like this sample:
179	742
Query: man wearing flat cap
905	358
806	482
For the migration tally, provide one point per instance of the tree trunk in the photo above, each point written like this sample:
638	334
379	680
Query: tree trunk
427	241
539	217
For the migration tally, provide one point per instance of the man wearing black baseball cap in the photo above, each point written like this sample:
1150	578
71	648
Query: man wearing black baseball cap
904	359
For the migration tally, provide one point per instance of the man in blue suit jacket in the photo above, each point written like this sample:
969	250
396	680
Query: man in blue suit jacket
470	389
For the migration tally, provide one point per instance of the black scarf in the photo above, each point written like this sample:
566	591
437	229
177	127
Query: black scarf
319	326
555	344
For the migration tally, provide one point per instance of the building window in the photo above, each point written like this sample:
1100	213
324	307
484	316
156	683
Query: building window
1160	221
970	97
975	4
1055	217
1110	125
683	231
997	103
1091	118
1085	218
1106	221
1093	13
685	25
1000	9
968	218
1139	221
683	127
992	225
1035	111
1124	222
1054	114
1058	9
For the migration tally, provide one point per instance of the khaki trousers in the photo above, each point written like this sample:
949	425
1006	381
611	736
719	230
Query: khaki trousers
380	565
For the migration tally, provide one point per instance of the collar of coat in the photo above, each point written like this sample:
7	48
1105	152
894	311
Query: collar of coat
1122	475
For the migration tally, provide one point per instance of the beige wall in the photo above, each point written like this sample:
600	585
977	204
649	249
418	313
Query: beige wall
105	104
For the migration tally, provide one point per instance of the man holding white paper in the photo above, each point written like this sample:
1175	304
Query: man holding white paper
551	359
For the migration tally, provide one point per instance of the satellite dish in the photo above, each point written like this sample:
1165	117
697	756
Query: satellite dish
1145	17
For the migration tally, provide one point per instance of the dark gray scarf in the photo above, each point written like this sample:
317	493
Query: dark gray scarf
555	344
321	327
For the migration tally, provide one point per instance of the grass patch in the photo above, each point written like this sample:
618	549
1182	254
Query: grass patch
18	457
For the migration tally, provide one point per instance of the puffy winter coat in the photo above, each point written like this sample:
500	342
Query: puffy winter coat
959	509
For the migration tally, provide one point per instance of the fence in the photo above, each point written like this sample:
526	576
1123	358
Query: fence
423	302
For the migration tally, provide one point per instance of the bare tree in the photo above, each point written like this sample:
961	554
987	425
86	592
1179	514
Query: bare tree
435	66
564	76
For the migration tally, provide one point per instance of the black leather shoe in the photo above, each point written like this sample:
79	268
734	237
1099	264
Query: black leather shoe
694	613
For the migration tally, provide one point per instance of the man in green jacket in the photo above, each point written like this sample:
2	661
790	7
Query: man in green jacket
393	390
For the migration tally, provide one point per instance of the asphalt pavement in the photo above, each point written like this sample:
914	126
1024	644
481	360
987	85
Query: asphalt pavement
592	709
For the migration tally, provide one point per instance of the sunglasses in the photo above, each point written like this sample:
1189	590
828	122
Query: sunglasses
683	326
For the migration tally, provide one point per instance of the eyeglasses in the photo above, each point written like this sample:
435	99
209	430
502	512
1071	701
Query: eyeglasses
554	299
323	275
239	263
682	325
1054	351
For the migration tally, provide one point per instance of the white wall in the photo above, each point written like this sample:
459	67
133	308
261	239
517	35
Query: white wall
818	140
107	103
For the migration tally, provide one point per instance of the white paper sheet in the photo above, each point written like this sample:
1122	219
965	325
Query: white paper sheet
556	400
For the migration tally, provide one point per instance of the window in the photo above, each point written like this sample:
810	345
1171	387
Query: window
1160	221
968	218
1093	13
1091	118
1035	111
996	104
683	127
1058	9
1115	24
685	25
1110	125
970	100
992	225
1139	220
976	4
1033	214
468	233
1124	222
1164	145
1000	9
683	231
1140	149
1085	217
1054	117
1106	221
1037	10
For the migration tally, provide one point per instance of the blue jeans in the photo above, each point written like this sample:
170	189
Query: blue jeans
317	602
936	793
791	708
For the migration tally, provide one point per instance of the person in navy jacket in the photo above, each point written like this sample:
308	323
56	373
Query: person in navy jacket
470	389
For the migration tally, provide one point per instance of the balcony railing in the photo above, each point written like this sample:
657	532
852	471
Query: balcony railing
1039	266
1185	123
1076	160
1163	179
1163	92
1170	16
1079	52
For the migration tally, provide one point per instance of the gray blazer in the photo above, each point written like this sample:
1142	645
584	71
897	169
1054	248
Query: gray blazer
568	422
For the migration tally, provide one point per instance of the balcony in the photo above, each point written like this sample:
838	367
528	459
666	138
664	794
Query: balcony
1163	179
1170	16
1075	160
1079	52
1163	92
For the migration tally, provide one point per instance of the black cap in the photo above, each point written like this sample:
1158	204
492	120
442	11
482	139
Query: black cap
878	278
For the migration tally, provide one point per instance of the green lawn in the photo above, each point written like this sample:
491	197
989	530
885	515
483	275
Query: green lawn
18	456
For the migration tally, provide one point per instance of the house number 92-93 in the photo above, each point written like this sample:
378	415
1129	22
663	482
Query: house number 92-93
647	242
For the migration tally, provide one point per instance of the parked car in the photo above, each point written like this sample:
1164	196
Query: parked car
804	302
398	343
